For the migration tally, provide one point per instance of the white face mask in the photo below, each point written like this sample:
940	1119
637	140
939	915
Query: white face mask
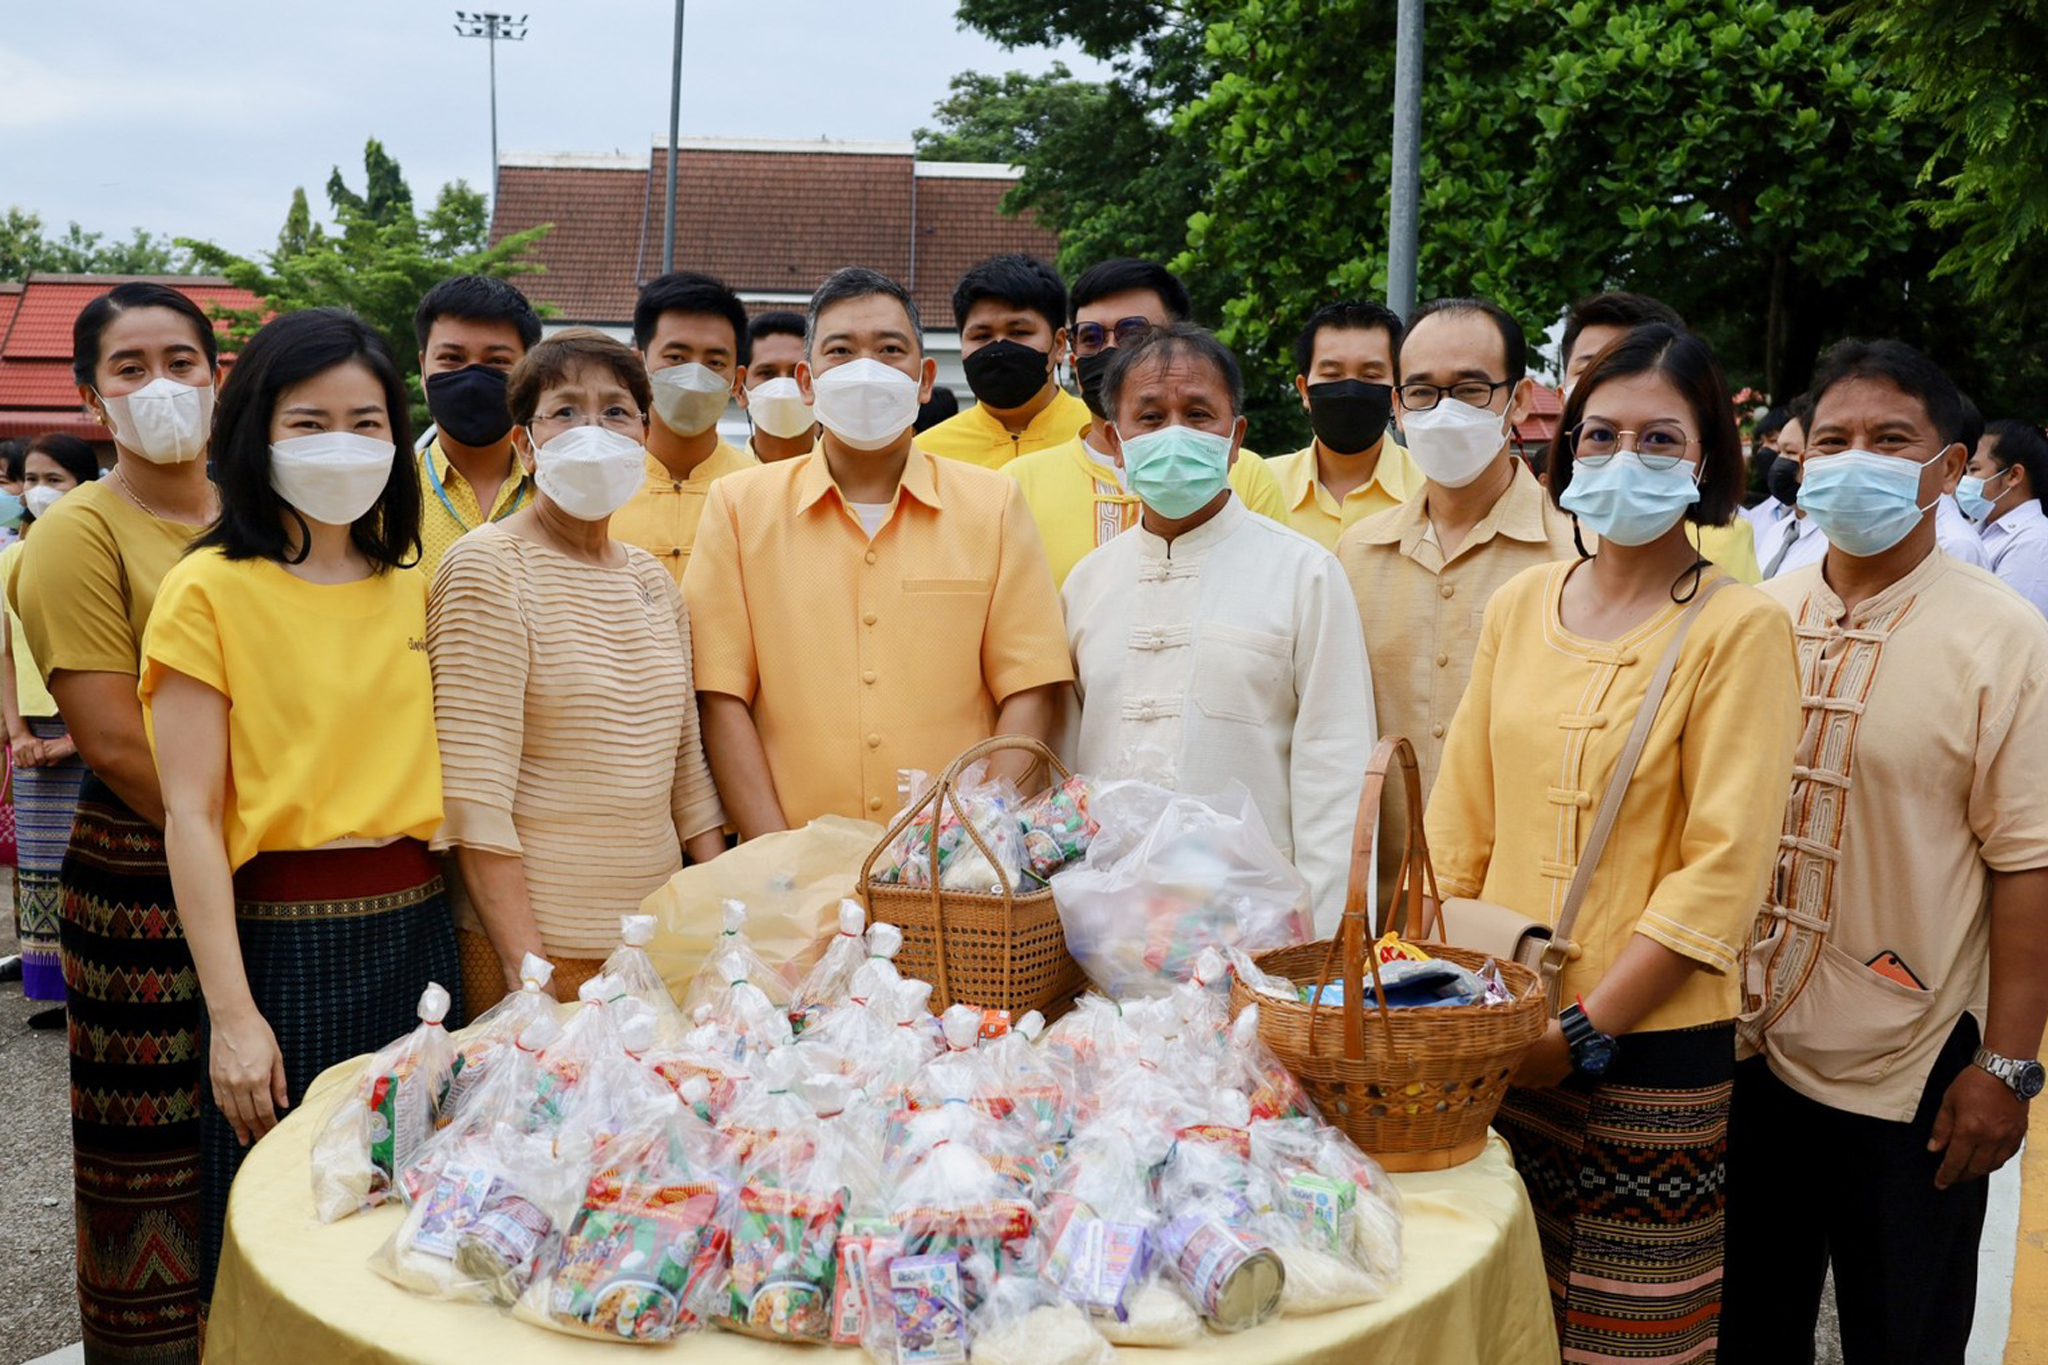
331	476
689	398
164	422
1453	442
40	499
778	408
864	403
589	472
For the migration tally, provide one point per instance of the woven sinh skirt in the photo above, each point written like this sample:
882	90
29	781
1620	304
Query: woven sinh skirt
9	847
45	802
133	1006
1629	1181
337	944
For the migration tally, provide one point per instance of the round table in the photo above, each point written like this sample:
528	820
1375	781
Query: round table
292	1289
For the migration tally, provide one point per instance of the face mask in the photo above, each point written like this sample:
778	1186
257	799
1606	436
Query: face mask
589	472
164	422
11	505
1454	442
778	408
1628	502
1782	479
864	403
1863	502
1177	471
1090	370
1350	415
40	499
469	404
1976	504
1006	374
689	398
331	476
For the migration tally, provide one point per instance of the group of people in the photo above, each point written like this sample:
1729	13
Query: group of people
333	717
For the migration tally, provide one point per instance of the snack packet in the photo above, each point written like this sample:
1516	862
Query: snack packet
983	862
785	1234
379	1125
829	983
1336	1203
712	980
503	1097
1057	827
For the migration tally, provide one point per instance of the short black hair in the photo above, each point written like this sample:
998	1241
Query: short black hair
1124	274
1513	341
1770	424
858	282
1345	313
12	453
94	317
71	453
2023	444
1799	410
1689	364
779	322
1020	281
1175	341
289	350
1902	367
942	404
1615	308
686	291
476	298
1973	425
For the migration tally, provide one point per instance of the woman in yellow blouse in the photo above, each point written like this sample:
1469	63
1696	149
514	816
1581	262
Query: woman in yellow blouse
286	684
1618	1117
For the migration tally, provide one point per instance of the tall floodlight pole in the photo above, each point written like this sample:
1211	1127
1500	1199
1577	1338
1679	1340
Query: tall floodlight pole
1404	214
491	28
675	120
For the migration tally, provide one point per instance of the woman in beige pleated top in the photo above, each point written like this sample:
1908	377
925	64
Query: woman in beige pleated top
574	776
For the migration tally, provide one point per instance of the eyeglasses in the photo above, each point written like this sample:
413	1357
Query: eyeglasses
1091	337
1420	397
1659	445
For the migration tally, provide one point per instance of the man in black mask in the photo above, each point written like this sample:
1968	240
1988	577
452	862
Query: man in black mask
1344	372
1012	316
472	330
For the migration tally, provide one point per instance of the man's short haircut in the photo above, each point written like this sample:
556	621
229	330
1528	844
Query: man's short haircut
686	291
779	322
565	354
1021	281
1345	313
1175	341
1615	308
1799	410
476	298
2023	444
1973	426
1514	343
1769	425
1124	274
1905	369
858	282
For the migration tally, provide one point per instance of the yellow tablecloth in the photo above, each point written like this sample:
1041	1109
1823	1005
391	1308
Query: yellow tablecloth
294	1291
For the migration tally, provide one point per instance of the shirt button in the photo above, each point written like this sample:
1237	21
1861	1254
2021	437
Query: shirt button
675	487
874	803
868	677
1449	591
1436	731
874	741
868	619
676	553
1443	661
871	556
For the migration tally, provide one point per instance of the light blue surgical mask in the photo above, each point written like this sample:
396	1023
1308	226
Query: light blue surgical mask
11	507
1977	504
1628	502
1177	471
1863	502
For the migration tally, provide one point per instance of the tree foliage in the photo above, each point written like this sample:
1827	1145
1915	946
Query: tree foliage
25	247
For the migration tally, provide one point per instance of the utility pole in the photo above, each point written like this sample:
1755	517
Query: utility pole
491	28
1403	215
675	119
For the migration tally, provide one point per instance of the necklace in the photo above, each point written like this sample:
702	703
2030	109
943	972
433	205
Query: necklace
121	478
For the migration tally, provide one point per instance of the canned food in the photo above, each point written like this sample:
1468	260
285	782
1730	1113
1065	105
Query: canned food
1232	1275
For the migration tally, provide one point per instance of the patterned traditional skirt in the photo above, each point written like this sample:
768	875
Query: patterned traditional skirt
9	846
337	944
133	1005
1629	1181
45	802
483	983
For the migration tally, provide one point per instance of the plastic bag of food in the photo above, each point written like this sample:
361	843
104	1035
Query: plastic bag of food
497	1028
715	977
1335	1201
898	1052
785	1235
1102	1223
745	1009
379	1126
982	861
954	1201
1057	827
1035	1079
634	971
1259	1074
829	984
503	1097
1025	1322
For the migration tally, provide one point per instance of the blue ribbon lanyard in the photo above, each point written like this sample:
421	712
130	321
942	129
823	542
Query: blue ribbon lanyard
434	478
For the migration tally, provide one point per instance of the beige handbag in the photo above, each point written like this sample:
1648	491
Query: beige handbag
1502	932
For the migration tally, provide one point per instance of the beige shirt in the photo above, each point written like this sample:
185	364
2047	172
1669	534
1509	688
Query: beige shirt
1922	769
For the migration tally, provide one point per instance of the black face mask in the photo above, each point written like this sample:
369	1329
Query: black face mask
1350	415
1006	374
469	404
1091	370
1782	478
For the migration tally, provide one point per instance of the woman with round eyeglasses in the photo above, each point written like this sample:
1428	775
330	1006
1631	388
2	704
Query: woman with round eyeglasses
1628	1090
573	772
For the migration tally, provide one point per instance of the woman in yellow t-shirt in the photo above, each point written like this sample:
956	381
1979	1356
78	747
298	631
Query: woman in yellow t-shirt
292	712
1618	1117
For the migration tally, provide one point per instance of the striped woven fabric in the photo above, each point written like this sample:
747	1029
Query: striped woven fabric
45	801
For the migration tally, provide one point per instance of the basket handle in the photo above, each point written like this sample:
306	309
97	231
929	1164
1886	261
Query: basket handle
1354	937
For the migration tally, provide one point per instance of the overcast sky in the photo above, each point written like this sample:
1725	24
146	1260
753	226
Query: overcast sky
198	119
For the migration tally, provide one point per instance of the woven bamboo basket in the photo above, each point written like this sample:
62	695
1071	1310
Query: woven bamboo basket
1006	952
1416	1088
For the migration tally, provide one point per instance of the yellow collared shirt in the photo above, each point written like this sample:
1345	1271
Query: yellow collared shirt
978	438
1732	548
450	513
662	517
1311	509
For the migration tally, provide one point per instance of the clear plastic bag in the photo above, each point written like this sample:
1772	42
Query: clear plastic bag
1024	1322
1102	1220
496	1029
633	970
1057	827
785	1235
964	864
715	977
379	1126
501	1171
829	984
1338	1224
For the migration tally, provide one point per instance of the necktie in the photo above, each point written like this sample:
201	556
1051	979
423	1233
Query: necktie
1791	539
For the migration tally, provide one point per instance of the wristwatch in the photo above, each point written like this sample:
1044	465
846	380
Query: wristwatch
1592	1051
2025	1078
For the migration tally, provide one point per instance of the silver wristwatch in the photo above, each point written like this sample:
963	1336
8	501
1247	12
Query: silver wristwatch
2025	1077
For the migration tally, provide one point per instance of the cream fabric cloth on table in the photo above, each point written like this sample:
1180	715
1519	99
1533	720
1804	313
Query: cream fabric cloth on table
292	1289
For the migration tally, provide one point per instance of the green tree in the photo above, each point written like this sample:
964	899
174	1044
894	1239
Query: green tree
300	233
26	247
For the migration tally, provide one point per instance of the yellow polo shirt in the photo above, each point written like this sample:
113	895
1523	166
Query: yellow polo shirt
974	435
32	696
662	517
1313	512
1731	547
448	509
861	657
1079	500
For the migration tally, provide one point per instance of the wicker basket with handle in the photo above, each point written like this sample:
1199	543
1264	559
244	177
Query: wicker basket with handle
1005	952
1416	1088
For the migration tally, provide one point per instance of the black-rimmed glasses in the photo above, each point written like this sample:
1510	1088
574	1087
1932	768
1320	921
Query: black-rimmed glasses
1420	397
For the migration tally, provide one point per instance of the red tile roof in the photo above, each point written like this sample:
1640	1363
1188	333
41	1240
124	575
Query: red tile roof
1545	407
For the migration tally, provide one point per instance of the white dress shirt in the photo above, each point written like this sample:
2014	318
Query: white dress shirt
1957	534
1799	538
1763	519
2018	545
1232	652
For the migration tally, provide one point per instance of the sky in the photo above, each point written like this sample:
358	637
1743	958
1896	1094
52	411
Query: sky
198	120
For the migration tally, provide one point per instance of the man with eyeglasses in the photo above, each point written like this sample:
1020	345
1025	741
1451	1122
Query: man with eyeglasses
1076	490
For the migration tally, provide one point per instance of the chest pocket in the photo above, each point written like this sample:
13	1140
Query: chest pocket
1242	675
